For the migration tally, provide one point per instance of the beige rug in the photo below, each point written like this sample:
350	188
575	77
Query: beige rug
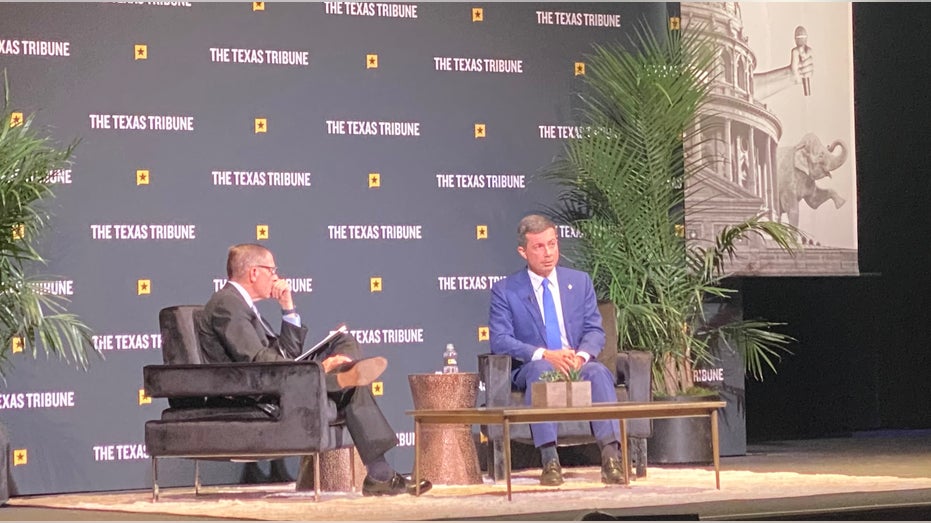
582	491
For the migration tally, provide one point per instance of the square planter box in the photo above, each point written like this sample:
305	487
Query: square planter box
561	393
580	393
549	394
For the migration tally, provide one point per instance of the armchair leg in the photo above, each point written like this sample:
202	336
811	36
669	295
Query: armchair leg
154	479
352	468
497	465
484	450
316	476
196	477
638	455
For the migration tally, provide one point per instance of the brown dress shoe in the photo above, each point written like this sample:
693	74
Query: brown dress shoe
360	373
611	471
552	474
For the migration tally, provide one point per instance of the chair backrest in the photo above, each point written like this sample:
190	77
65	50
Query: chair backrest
608	355
179	336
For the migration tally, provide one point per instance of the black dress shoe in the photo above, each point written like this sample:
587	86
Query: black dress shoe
611	471
552	474
398	484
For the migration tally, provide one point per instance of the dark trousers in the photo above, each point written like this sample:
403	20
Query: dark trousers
370	431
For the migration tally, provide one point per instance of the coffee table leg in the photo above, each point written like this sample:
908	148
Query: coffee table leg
506	428
715	451
417	456
625	451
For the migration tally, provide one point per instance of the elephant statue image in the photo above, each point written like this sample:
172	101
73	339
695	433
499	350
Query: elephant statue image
797	169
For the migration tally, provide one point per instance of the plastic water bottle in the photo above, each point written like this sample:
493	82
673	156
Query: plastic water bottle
450	365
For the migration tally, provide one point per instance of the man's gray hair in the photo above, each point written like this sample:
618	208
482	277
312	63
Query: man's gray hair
532	224
244	256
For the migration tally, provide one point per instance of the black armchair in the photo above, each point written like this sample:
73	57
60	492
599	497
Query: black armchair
634	383
241	411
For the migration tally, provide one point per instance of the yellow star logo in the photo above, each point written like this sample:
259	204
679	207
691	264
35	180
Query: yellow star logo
483	333
16	119
478	14
258	6
378	388
371	61
479	130
144	399
375	284
674	23
261	232
19	231
20	456
140	52
481	232
374	180
143	287
261	125
142	177
579	68
18	344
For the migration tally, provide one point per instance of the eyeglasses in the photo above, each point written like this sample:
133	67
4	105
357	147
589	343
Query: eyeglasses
271	269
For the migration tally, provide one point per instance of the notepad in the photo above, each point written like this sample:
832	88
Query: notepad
341	329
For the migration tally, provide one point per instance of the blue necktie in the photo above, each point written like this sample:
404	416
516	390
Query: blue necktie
550	320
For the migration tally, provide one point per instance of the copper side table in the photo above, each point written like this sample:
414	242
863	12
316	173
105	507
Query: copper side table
448	455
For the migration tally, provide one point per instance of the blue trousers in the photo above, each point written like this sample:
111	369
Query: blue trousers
602	380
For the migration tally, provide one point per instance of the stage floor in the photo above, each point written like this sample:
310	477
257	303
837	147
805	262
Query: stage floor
867	476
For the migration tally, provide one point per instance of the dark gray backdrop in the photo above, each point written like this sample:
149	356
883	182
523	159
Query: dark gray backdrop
178	78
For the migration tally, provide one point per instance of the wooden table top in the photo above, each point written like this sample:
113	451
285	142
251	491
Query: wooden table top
521	414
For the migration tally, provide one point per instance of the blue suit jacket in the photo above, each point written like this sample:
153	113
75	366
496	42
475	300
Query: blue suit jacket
516	325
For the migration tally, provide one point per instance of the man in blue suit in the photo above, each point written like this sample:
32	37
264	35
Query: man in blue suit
546	317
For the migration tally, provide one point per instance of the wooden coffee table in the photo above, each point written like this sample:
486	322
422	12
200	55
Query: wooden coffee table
505	416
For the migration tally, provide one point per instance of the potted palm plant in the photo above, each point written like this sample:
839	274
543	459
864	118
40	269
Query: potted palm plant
29	317
624	183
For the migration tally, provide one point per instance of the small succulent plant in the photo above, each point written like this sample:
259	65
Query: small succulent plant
555	375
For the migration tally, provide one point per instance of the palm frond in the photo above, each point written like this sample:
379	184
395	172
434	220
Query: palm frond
758	345
623	185
709	262
27	314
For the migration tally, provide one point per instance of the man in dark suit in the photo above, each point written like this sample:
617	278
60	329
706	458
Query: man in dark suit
546	317
232	330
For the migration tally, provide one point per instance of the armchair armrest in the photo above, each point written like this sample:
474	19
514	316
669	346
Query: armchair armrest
495	372
636	367
295	383
301	428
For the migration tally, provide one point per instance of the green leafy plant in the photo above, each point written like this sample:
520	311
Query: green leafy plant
623	185
29	317
555	375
